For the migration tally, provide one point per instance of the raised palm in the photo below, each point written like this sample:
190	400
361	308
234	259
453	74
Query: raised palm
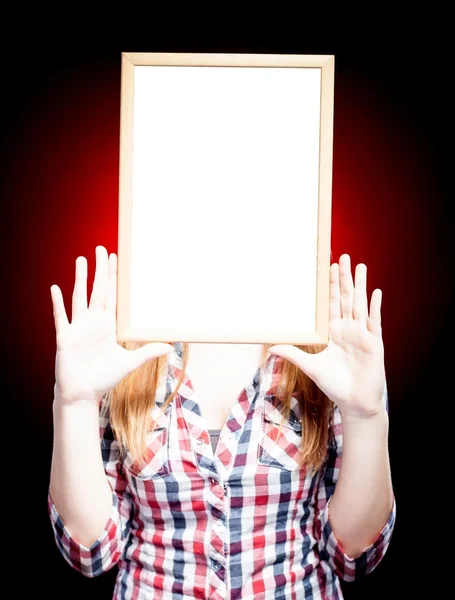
350	370
89	361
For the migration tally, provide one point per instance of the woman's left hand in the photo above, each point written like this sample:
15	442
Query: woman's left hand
350	370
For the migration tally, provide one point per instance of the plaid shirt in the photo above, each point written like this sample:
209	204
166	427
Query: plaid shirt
243	523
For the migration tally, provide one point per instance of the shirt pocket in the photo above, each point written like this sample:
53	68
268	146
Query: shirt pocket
154	463
281	450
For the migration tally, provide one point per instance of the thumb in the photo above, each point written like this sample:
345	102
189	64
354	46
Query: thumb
303	360
149	351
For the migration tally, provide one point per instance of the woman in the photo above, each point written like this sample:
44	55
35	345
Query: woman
295	496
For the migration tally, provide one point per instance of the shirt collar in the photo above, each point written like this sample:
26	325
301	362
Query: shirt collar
268	378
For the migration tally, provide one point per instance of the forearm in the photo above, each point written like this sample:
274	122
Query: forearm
79	487
363	497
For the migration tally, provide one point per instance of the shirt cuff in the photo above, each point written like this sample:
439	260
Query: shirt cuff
70	543
349	568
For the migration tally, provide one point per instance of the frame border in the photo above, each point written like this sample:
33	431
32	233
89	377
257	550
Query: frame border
326	63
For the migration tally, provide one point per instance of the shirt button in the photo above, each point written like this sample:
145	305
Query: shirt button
200	440
215	564
213	480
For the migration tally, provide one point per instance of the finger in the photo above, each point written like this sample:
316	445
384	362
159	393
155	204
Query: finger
334	304
153	350
374	321
80	288
360	294
111	301
346	287
303	360
60	316
99	292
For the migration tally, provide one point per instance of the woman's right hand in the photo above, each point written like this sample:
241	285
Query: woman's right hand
89	361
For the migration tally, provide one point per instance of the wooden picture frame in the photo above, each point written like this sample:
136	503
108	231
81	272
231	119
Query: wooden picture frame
225	198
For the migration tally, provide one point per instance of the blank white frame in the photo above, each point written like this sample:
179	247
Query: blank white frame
226	178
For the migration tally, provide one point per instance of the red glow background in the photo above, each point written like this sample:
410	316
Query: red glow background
390	211
63	175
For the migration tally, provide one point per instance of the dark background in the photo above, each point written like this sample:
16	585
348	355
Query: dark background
60	149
